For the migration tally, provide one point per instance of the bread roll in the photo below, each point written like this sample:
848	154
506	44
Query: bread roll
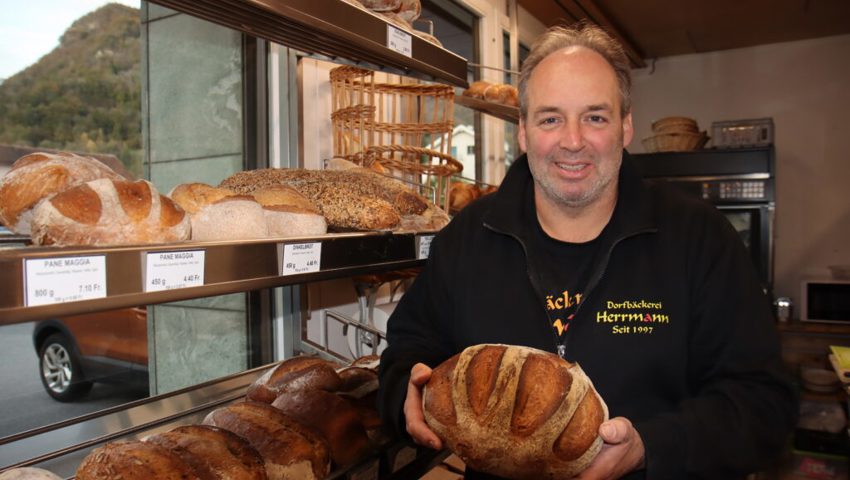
501	93
461	194
37	176
336	419
109	212
286	221
237	217
134	461
294	373
476	89
291	451
511	96
515	411
29	473
192	197
213	452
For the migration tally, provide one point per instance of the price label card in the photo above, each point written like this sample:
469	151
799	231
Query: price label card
170	270
399	41
64	279
423	246
301	258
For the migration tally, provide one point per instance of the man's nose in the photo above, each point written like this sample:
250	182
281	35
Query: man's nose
571	137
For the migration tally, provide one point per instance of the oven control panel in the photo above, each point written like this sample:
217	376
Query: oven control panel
731	190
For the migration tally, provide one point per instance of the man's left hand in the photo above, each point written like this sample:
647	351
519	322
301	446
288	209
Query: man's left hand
621	453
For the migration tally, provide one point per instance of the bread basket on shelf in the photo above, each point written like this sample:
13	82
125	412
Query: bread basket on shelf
675	134
404	127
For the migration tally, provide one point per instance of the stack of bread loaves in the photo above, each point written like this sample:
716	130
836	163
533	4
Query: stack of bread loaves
352	199
493	92
221	214
515	412
67	199
302	417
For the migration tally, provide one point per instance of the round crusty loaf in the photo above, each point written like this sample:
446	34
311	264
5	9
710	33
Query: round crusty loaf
292	374
291	451
213	452
109	212
134	460
335	418
515	411
39	175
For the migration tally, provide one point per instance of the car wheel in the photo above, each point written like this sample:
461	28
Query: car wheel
61	373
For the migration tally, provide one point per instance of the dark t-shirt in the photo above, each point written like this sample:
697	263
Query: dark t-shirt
563	271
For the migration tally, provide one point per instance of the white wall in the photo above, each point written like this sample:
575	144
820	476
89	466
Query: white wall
805	87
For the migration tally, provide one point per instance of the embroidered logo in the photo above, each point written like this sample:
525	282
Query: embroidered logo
633	316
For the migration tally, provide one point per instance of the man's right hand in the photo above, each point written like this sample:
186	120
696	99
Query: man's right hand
415	419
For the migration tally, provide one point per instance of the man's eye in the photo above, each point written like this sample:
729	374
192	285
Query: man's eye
597	119
549	121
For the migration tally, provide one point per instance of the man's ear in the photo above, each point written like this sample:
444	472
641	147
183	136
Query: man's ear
628	130
521	135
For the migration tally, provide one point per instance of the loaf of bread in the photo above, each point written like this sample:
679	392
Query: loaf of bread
134	460
29	473
349	200
335	418
236	217
515	411
192	197
502	93
109	212
293	374
286	221
291	451
212	452
281	195
476	89
381	5
409	10
37	176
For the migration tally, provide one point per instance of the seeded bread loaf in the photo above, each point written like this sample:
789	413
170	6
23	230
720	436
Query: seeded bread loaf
37	176
515	411
349	200
109	212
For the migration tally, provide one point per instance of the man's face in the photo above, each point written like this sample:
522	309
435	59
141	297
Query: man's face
574	133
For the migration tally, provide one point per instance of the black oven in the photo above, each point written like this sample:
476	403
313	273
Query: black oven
739	182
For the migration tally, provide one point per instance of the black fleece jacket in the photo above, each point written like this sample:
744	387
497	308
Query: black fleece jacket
673	330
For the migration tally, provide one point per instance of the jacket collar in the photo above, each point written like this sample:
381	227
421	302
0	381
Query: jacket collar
632	214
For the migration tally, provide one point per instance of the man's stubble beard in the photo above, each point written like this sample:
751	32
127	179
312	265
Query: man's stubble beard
549	187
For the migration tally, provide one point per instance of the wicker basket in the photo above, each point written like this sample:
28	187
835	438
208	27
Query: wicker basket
407	128
674	142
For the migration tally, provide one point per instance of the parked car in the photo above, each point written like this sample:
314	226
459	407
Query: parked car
75	351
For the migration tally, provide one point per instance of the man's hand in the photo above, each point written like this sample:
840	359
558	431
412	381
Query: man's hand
414	418
621	453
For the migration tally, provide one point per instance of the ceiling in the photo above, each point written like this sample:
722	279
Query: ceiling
659	28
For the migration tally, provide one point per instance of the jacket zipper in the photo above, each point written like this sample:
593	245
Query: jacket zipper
561	345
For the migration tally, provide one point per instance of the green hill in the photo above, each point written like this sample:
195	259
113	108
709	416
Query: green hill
85	95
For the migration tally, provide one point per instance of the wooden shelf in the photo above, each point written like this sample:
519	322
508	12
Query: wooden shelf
504	112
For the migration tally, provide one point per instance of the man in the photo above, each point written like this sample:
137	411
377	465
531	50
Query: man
651	292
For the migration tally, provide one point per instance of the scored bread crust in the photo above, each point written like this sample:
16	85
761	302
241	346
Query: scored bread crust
515	411
109	212
37	176
134	460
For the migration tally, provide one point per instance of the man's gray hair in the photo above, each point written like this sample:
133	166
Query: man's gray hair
581	34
